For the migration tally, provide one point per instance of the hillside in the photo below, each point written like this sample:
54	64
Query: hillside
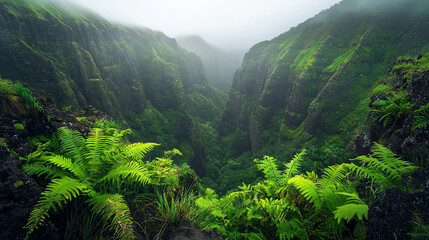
220	65
318	74
309	87
133	74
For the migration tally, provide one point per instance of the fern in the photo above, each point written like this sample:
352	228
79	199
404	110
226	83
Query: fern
137	151
293	166
353	207
421	119
71	143
58	192
383	166
269	167
131	171
68	164
90	164
115	212
332	177
47	170
97	144
308	189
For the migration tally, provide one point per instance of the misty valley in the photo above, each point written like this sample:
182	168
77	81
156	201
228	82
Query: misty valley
111	130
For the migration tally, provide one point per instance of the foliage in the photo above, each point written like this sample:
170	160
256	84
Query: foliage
288	205
421	117
8	87
102	173
394	107
383	167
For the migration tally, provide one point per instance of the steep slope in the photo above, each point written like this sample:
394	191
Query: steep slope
83	60
220	65
318	75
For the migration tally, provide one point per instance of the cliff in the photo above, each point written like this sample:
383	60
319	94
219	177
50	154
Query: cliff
81	59
318	75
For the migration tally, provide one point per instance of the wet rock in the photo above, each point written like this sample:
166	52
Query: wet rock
187	231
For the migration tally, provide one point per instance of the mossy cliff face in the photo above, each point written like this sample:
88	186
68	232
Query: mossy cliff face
84	60
320	72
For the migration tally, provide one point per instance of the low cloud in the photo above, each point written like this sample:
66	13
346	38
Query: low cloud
236	24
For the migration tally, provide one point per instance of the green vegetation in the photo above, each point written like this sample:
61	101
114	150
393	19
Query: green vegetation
289	205
108	180
8	89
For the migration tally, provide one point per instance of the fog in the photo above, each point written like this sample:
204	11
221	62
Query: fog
229	24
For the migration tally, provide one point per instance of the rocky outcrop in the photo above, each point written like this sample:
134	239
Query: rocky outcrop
318	74
398	213
409	78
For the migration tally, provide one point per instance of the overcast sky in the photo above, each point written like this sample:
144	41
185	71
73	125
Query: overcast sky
229	24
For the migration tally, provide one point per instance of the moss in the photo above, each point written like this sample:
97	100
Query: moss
381	89
18	184
18	126
3	143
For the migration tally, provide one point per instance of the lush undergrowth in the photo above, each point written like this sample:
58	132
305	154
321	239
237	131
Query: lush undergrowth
289	205
105	189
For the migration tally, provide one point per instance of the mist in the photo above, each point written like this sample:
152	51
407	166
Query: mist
230	25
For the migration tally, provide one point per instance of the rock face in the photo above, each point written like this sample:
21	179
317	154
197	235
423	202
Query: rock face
396	214
81	59
408	80
319	73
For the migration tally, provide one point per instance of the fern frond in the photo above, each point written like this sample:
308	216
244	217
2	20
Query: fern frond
97	144
308	189
58	192
293	166
332	177
131	171
354	207
348	211
47	170
115	212
383	167
67	164
71	143
137	151
269	168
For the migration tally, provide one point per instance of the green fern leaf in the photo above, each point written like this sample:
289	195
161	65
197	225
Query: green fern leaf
333	177
71	143
137	151
353	207
58	192
308	189
293	166
97	145
67	164
47	170
269	167
115	212
348	211
132	171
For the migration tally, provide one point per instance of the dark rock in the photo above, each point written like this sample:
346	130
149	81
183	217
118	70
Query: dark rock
18	195
394	215
187	231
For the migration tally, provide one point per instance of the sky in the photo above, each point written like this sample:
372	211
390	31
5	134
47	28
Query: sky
228	24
